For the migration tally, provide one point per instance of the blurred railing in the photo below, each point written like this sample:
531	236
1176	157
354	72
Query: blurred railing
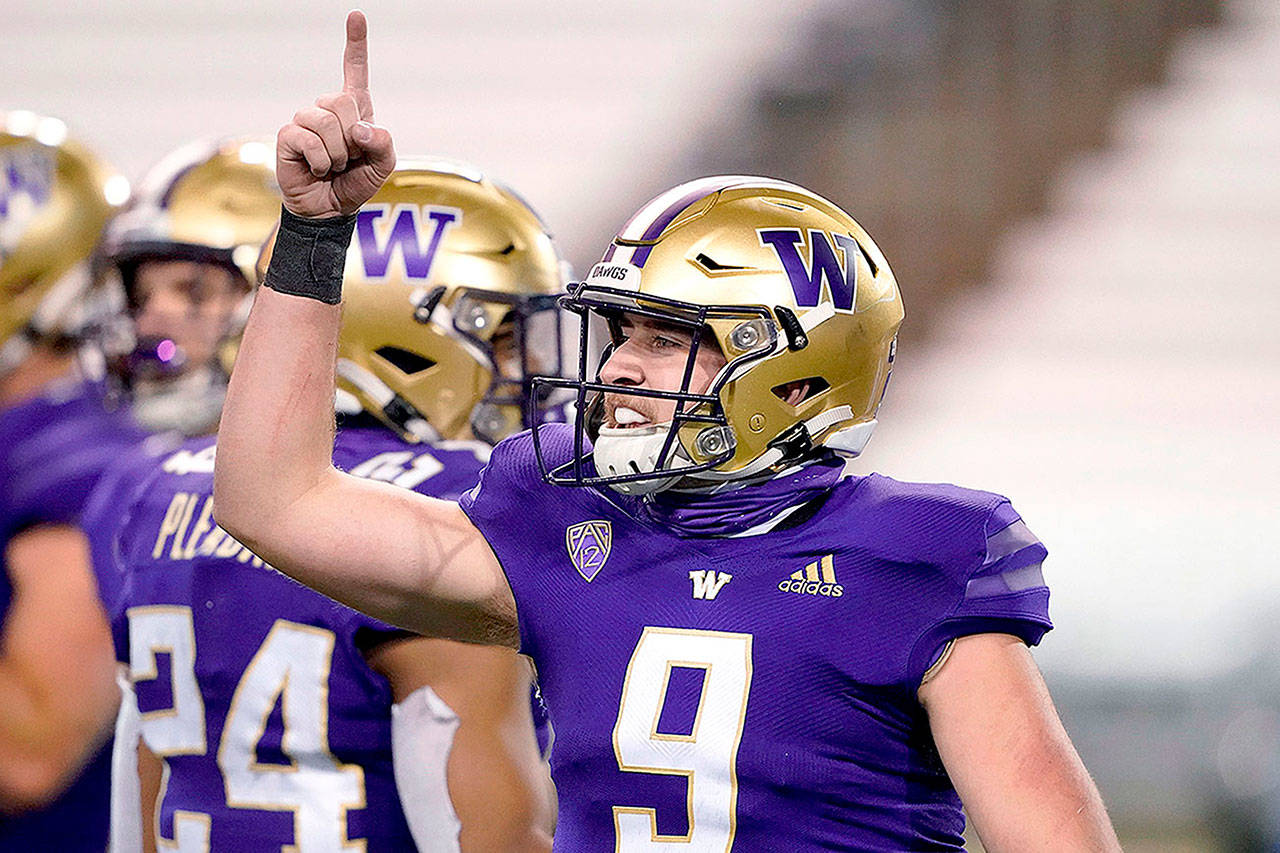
936	122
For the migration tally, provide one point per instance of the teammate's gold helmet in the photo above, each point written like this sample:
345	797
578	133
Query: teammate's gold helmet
55	199
795	294
449	305
211	202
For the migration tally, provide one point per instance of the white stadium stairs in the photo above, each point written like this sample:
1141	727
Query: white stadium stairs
1118	376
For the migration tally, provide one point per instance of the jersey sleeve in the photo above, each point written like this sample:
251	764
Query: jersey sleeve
105	516
509	507
505	482
32	496
1001	592
58	452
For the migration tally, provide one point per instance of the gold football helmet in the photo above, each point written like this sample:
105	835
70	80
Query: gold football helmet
55	199
797	297
210	203
449	305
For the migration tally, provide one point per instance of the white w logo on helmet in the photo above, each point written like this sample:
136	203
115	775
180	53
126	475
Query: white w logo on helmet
26	176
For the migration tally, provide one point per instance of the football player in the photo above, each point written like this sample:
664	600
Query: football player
282	719
181	258
57	694
184	255
741	648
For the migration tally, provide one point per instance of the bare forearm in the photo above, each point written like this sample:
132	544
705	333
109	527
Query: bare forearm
488	767
1008	755
41	744
276	438
56	698
1060	810
381	549
150	780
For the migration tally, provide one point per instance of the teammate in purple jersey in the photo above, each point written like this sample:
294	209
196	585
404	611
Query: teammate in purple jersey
179	259
741	648
54	450
296	749
57	693
282	718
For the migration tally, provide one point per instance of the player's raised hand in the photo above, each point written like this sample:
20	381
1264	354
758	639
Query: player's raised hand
331	158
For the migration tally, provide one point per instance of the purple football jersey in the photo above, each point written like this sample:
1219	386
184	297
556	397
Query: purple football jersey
52	451
251	687
108	505
752	693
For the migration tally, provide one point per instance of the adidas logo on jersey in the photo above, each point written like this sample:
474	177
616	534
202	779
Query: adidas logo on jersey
817	578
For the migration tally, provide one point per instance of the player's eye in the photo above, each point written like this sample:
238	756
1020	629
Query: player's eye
665	342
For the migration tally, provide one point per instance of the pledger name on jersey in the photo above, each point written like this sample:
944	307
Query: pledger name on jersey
806	581
189	533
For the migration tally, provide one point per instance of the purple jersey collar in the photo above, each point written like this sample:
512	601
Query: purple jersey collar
733	512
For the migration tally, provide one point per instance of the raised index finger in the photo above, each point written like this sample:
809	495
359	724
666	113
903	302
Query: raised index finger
355	58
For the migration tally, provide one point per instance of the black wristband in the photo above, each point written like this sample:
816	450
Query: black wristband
309	256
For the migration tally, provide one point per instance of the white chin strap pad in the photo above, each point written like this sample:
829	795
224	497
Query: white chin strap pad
635	450
851	440
190	404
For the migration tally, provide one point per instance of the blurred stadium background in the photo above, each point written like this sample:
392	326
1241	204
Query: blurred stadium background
1081	199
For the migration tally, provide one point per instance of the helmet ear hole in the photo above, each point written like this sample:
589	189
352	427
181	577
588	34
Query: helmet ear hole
406	362
800	391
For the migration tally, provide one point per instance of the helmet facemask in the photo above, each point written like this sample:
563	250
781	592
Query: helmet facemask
697	438
512	337
172	362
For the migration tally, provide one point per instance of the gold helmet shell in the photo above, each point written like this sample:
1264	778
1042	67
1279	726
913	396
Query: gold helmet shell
796	295
55	199
208	202
447	268
212	202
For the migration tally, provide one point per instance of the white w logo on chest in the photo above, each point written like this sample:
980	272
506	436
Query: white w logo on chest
707	582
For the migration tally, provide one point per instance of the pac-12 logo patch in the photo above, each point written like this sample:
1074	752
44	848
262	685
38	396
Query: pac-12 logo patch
833	267
588	543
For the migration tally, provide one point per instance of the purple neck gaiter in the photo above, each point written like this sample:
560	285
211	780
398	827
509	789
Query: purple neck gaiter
731	512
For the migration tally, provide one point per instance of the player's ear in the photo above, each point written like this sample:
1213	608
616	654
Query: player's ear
793	393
